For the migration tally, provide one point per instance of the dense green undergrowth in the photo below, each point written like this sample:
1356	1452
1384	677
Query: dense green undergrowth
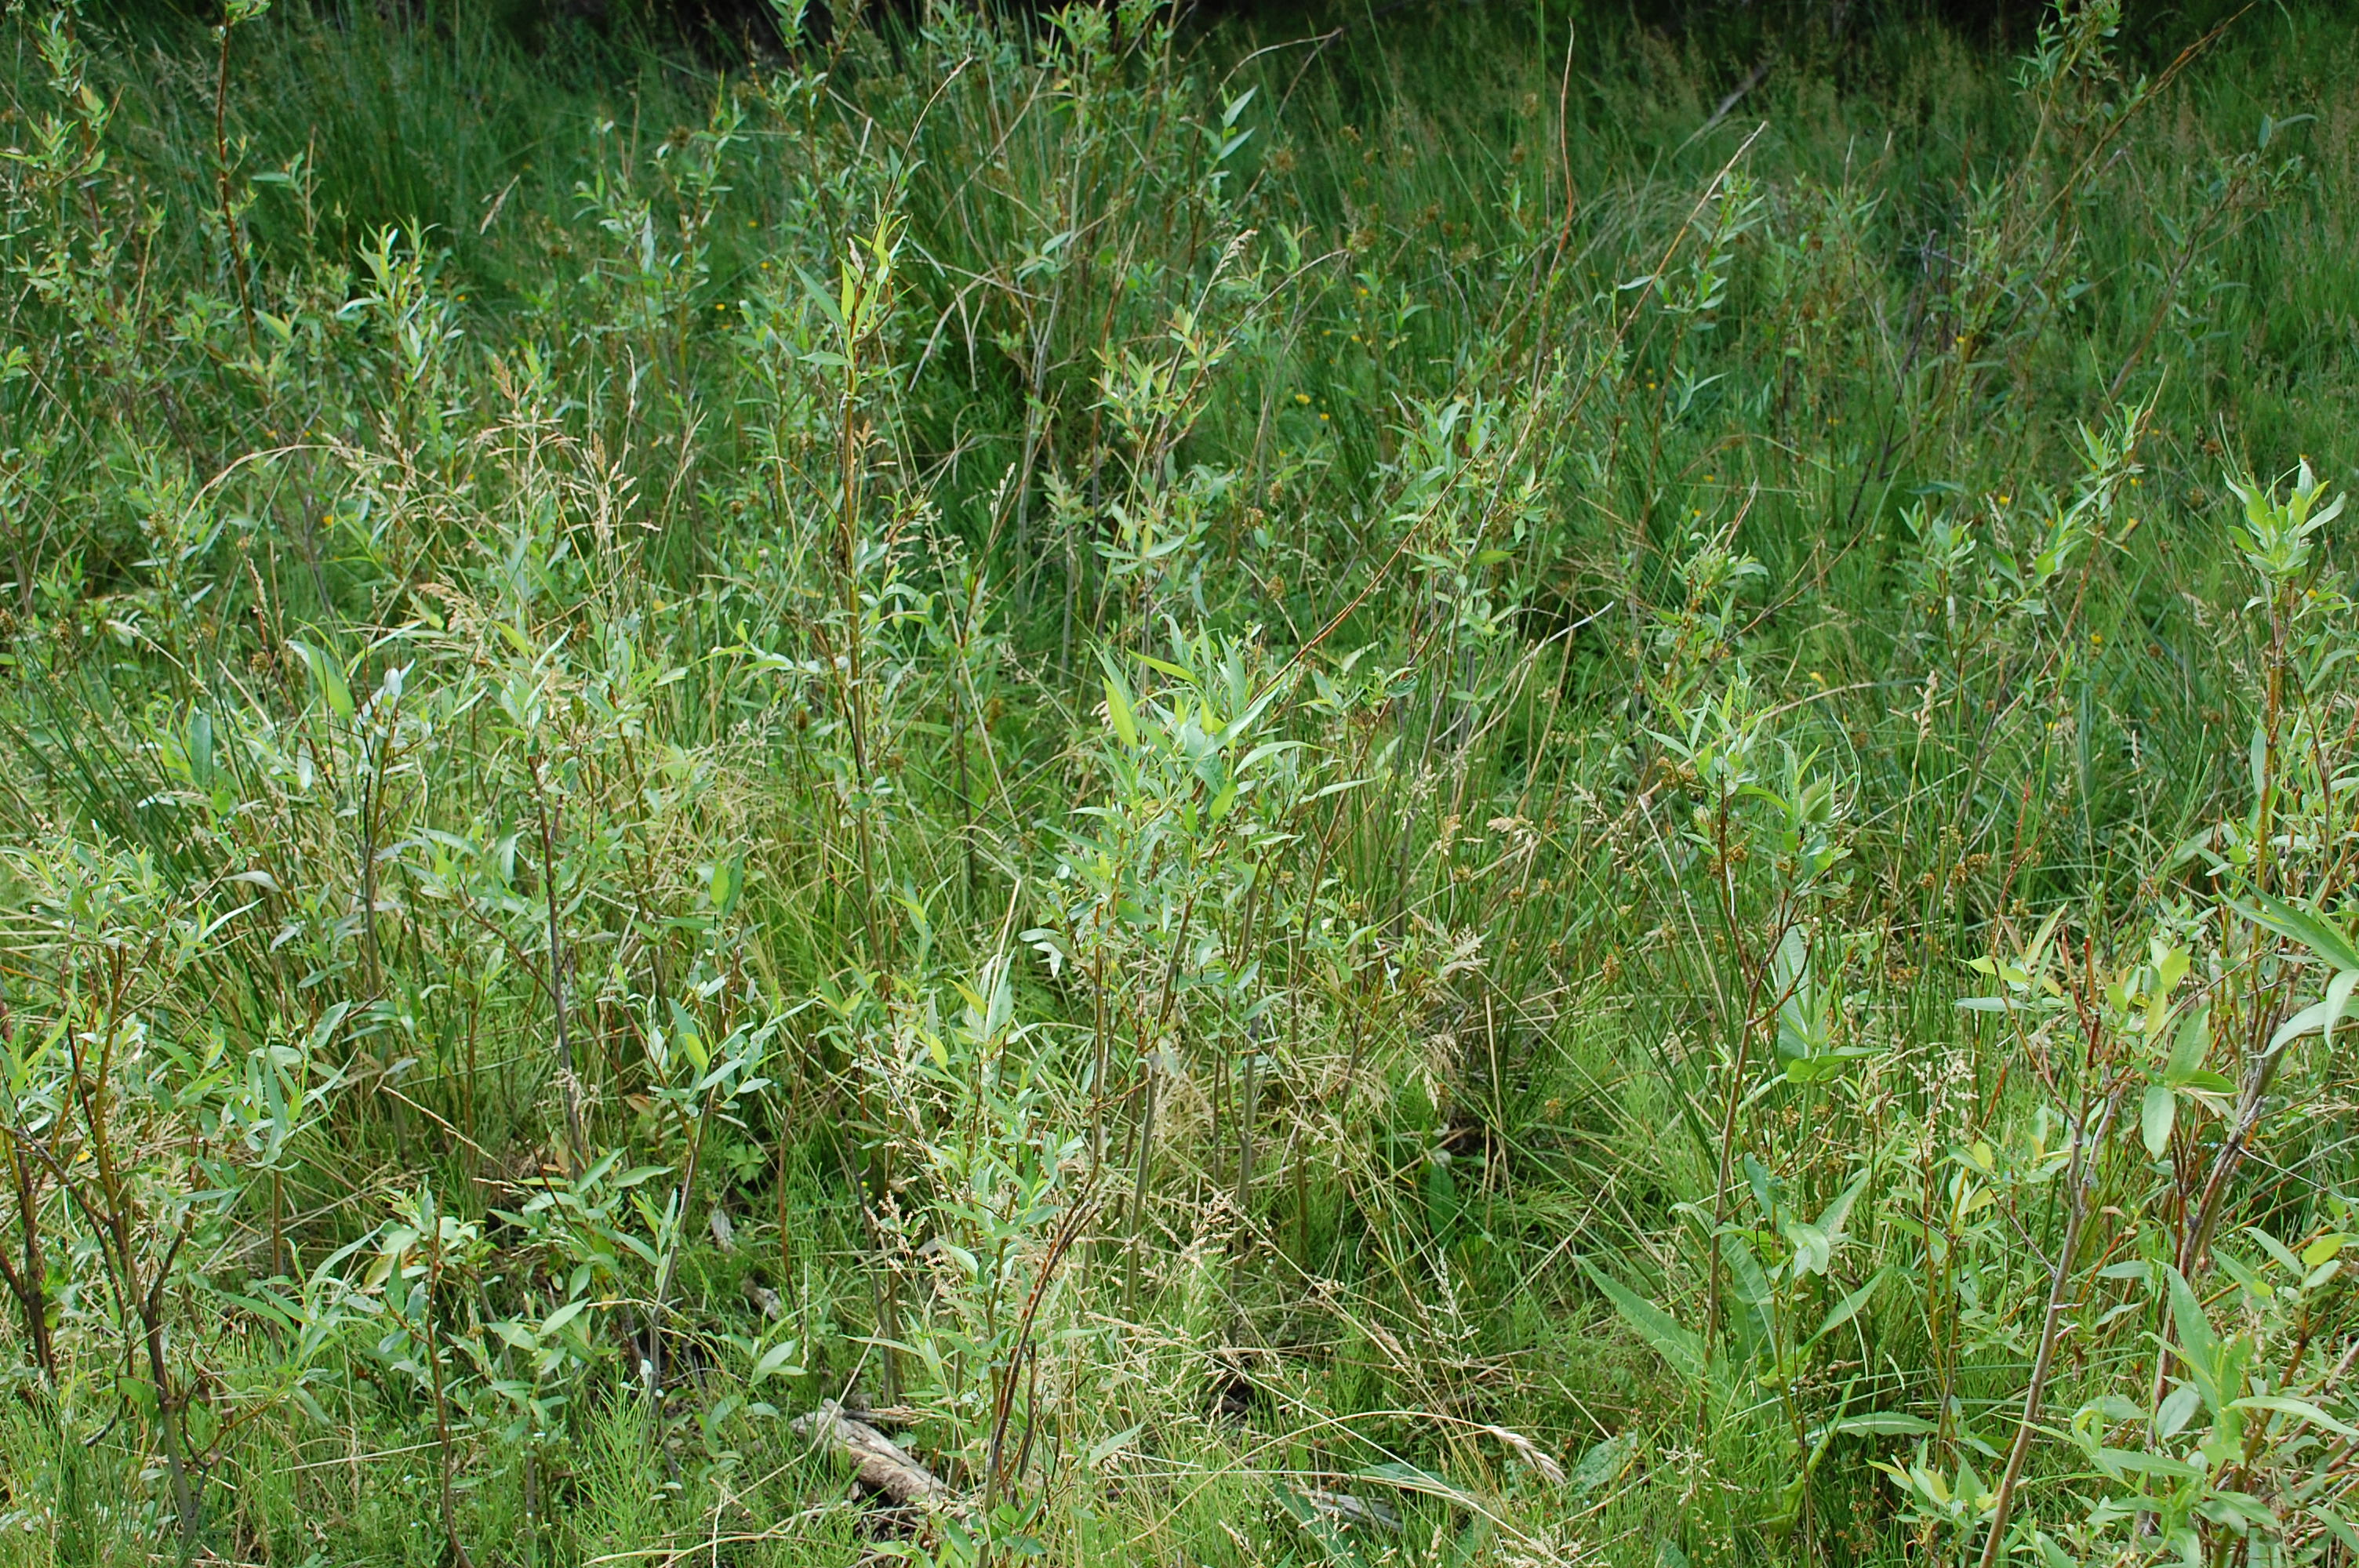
1457	790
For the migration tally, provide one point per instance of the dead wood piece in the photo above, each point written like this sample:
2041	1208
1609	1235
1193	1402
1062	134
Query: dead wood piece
883	1468
1344	1509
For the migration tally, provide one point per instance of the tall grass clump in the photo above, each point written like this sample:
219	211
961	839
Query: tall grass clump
1439	788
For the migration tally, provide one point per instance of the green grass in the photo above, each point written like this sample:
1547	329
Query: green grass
1239	768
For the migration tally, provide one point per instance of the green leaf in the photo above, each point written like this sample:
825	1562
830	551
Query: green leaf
323	1030
2302	1410
2277	1251
1601	1464
2312	930
1410	1478
1180	672
2199	1346
773	1361
1844	1311
2336	1525
1813	1247
728	884
1681	1350
1832	1217
2338	1001
2244	1275
1107	1448
1118	711
200	749
2320	1016
328	674
2156	1115
2131	1462
1883	1423
2187	1054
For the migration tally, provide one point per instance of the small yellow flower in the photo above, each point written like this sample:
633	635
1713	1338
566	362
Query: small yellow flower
1302	397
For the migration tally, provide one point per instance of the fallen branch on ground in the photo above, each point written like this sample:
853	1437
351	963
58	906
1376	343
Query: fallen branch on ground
883	1468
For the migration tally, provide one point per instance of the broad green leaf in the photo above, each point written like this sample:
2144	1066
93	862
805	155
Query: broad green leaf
1682	1350
1410	1478
200	749
328	674
2188	1052
2179	1408
2199	1346
773	1361
2338	1001
1844	1311
2300	1410
2157	1114
1601	1464
2244	1275
2312	930
1883	1423
2318	1016
1178	672
2131	1462
2276	1249
1833	1216
2336	1525
1118	711
1813	1247
1107	1448
728	884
